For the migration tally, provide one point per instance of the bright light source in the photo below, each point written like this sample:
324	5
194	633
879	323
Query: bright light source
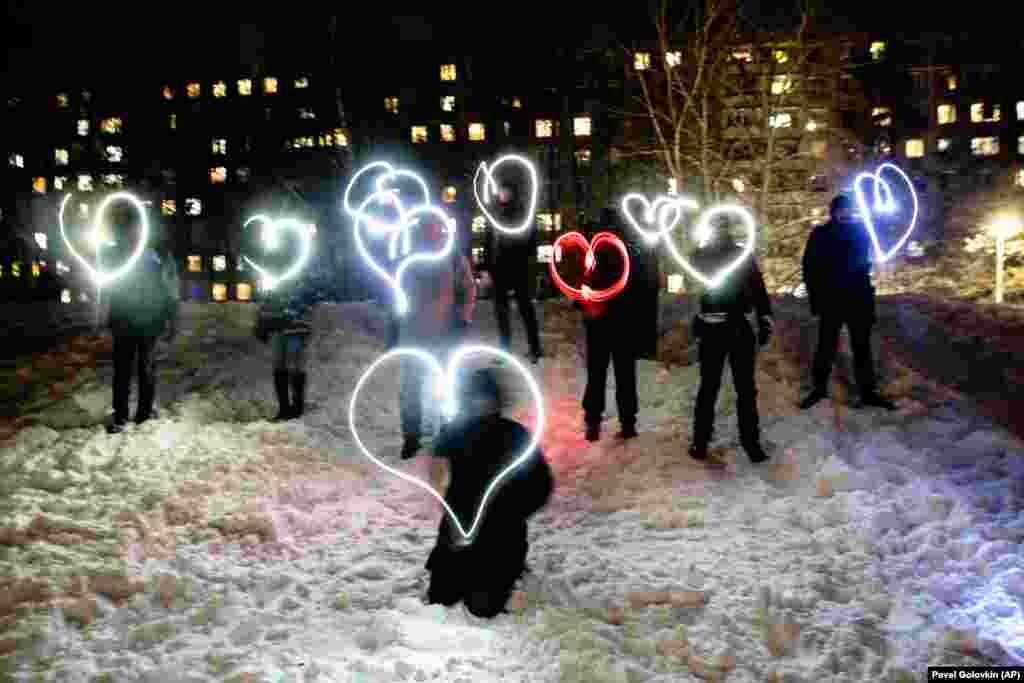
884	202
657	213
675	283
96	234
702	232
491	186
1005	227
584	292
271	241
41	240
65	296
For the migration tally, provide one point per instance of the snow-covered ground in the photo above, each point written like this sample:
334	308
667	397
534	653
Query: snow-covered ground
211	545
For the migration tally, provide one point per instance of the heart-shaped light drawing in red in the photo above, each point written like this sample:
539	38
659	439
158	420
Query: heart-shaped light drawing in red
885	203
447	378
585	293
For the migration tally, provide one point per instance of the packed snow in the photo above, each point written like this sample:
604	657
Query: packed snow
212	545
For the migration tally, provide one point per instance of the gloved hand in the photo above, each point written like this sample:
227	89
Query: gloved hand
764	330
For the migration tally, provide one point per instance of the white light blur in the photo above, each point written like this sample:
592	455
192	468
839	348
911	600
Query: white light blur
657	213
271	240
702	232
491	185
451	408
884	202
94	234
1005	227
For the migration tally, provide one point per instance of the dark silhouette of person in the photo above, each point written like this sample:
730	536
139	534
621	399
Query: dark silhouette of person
837	274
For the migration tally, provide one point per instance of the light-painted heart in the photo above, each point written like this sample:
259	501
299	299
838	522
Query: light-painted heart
584	292
664	213
885	203
703	231
271	240
448	377
387	174
95	232
490	188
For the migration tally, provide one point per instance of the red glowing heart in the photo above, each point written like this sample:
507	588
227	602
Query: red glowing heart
585	293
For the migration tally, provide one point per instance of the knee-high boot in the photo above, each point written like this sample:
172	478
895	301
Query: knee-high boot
298	394
281	389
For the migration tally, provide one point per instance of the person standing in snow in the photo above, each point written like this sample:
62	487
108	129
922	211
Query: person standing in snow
477	446
608	338
837	273
441	299
723	332
507	259
141	306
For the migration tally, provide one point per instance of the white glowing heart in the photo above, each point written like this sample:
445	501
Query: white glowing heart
703	230
657	214
885	203
98	276
271	241
491	186
451	408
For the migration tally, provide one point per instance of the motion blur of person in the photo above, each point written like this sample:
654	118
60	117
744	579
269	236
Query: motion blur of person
837	273
141	306
723	332
477	446
441	295
609	339
507	259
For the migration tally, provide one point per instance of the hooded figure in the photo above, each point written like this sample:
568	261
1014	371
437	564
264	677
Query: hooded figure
837	273
507	258
723	332
478	446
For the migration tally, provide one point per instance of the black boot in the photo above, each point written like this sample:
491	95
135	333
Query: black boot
875	400
593	432
699	452
281	389
298	395
813	398
755	452
628	430
117	426
410	446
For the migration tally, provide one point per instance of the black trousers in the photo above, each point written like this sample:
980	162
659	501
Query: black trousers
859	327
610	343
517	278
134	353
733	340
481	577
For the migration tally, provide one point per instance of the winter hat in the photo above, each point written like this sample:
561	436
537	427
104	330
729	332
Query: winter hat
841	201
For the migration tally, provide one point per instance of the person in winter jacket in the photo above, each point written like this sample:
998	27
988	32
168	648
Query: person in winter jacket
477	446
507	259
837	273
723	332
441	299
141	306
608	339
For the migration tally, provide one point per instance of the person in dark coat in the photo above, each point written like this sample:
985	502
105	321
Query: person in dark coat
141	305
507	259
608	336
477	446
837	273
723	332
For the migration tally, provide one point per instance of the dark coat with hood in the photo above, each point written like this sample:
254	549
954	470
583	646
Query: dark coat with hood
142	302
742	291
837	270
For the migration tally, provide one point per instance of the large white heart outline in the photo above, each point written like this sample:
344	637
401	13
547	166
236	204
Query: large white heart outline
390	172
451	408
653	214
491	185
885	204
98	276
406	222
271	227
703	227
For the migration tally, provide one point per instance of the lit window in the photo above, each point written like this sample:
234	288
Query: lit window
220	291
60	156
544	128
583	156
1018	179
195	264
581	126
192	90
111	126
642	61
220	263
782	84
447	132
478	255
448	103
243	291
915	149
517	103
84	208
301	83
739	185
168	92
881	116
944	144
781	120
193	207
113	179
65	296
544	253
673	58
340	139
477	132
16	269
978	113
391	105
780	56
546	221
83	127
219	146
950	82
479	224
218	175
1020	111
168	207
947	113
244	86
1020	145
85	184
62	100
306	113
877	50
242	174
675	283
983	147
172	120
447	72
744	55
673	186
58	182
419	133
114	154
41	240
507	126
35	269
18	161
269	86
449	194
39	185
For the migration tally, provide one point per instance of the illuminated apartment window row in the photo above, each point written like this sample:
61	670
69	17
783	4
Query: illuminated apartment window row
220	89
